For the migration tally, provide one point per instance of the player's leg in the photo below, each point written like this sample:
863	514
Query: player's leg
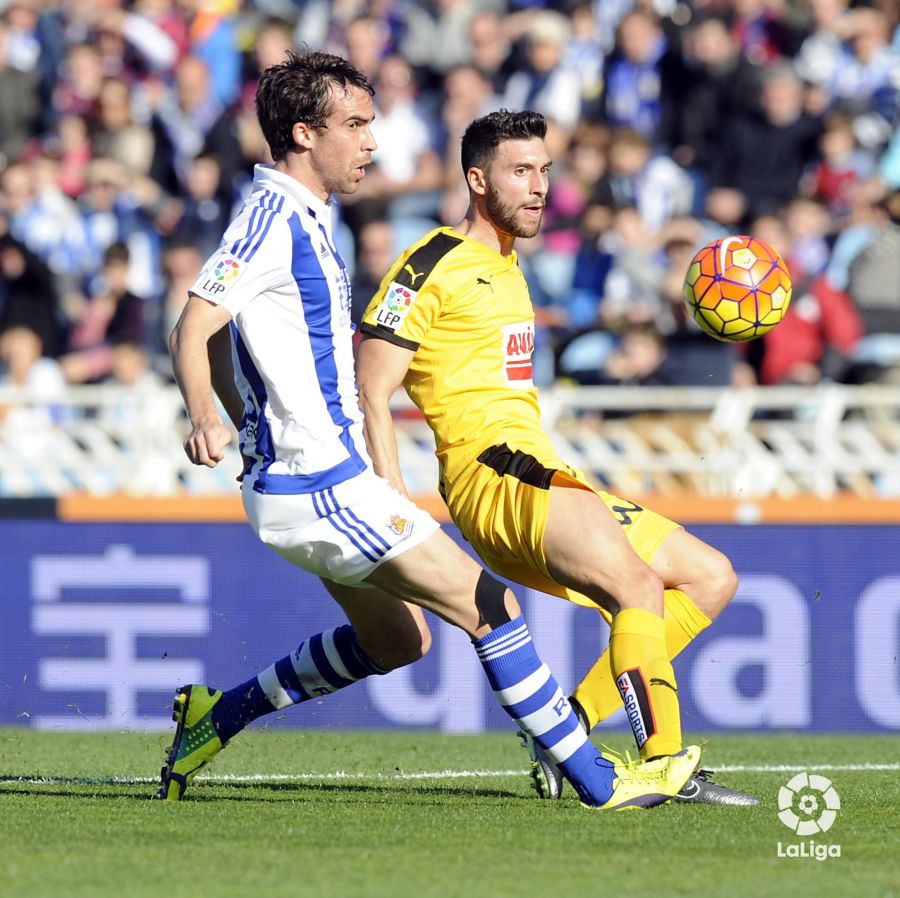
585	550
439	576
699	583
372	643
383	633
323	534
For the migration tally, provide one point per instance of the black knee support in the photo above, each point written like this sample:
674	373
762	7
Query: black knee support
491	602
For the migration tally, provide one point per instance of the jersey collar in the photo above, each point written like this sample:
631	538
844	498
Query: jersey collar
267	176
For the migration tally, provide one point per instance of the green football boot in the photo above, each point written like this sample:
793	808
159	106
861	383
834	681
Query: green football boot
645	784
196	741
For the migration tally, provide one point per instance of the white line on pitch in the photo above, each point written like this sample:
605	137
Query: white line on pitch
425	775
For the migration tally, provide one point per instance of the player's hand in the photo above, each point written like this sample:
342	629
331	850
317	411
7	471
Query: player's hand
206	443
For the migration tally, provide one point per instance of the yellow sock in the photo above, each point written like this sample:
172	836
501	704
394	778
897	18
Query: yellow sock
646	681
598	694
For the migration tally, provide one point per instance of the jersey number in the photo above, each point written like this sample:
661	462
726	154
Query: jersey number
623	512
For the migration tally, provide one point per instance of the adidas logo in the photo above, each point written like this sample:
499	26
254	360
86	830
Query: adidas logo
323	251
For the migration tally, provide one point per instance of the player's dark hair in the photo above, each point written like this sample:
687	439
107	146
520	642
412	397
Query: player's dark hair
485	134
300	90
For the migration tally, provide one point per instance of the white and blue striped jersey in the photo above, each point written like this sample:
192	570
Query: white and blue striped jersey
278	273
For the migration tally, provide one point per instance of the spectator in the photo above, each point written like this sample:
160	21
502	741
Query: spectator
467	95
43	219
873	276
115	134
866	81
820	53
162	15
543	84
654	185
19	115
28	301
640	359
584	56
437	34
764	34
78	91
807	224
366	43
72	147
725	211
181	264
764	156
692	357
631	289
491	48
213	40
111	318
703	87
112	212
633	92
188	121
407	175
273	41
818	334
553	267
843	165
23	365
376	251
204	215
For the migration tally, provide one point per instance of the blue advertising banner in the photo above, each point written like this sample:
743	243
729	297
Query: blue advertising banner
99	623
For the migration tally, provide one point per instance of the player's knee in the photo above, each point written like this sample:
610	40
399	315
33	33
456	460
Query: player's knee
406	650
495	604
405	646
644	589
722	584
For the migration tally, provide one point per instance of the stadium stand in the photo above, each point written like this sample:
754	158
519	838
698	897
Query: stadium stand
127	136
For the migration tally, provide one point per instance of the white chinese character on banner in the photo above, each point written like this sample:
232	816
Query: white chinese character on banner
119	673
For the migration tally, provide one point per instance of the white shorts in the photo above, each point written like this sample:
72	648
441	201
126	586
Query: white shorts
343	532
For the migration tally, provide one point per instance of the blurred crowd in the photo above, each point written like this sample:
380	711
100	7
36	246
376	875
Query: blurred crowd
128	139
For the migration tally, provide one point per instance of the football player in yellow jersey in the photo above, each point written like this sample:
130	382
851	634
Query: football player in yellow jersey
453	322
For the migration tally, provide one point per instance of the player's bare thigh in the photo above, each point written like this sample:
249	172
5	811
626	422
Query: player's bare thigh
438	575
703	573
392	632
586	550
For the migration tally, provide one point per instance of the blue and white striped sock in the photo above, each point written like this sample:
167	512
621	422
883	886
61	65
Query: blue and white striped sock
529	693
321	665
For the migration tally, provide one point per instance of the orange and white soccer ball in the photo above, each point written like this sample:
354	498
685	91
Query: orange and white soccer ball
737	288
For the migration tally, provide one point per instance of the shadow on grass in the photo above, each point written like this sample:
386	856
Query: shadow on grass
260	790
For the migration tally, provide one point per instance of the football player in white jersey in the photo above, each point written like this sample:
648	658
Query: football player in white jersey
267	328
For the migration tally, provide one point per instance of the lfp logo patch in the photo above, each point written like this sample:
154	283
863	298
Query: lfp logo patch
396	303
226	270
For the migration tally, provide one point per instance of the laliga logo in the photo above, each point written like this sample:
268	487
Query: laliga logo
226	270
808	804
827	804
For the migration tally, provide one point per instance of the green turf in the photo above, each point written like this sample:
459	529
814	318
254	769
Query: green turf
375	834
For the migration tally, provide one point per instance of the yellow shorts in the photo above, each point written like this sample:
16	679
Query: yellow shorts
500	503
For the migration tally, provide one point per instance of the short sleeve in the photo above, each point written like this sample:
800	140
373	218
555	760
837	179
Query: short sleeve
411	296
232	279
402	315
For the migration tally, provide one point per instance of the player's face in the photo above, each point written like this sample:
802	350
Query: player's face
517	185
344	147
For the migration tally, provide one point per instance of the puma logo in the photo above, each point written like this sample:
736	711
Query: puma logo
413	275
485	282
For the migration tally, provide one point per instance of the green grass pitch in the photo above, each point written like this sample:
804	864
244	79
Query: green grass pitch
413	815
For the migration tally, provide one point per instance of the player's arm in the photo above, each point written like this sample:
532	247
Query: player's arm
222	371
380	369
195	342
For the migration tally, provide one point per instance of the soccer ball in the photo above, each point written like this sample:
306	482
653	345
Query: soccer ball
737	288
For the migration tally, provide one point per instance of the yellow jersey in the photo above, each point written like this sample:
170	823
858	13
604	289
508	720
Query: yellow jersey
465	310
